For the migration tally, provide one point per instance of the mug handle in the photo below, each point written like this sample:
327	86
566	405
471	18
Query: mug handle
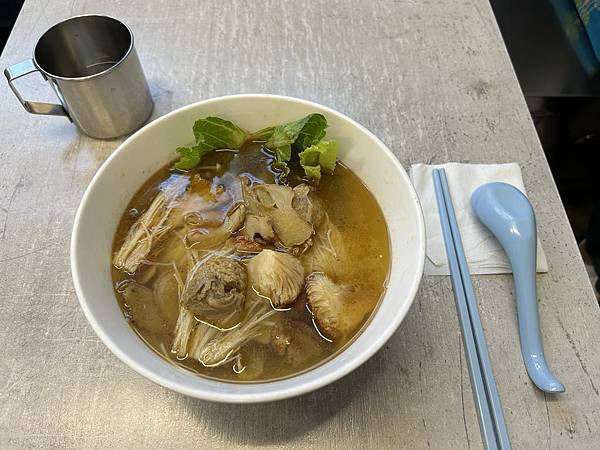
25	68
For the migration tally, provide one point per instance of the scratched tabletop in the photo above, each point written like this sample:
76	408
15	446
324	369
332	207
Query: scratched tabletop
433	80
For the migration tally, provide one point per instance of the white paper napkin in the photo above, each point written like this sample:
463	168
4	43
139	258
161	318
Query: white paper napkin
484	253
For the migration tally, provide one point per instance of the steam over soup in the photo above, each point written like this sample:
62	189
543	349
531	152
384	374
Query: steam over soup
253	257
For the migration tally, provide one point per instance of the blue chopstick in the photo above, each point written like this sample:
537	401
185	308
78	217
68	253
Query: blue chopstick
484	357
491	419
486	424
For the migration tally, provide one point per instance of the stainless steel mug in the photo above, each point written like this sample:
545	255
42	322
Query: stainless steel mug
92	65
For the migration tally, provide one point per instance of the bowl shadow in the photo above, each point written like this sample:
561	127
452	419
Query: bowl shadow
283	420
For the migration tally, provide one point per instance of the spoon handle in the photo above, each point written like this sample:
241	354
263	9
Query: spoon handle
523	262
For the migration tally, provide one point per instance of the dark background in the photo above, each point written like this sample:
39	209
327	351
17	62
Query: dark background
563	99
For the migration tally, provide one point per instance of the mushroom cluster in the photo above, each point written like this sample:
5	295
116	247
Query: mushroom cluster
285	245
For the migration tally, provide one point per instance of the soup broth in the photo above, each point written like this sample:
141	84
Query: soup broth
291	337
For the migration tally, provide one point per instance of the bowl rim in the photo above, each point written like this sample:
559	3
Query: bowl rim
255	397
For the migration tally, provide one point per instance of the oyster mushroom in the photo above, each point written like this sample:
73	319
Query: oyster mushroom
215	291
258	227
247	187
142	308
305	346
217	236
327	305
327	253
308	207
278	276
253	361
276	202
165	296
235	218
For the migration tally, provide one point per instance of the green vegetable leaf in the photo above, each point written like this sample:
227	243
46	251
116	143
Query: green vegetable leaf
219	133
190	157
319	156
282	167
283	153
211	133
313	172
312	131
262	135
285	134
214	133
301	133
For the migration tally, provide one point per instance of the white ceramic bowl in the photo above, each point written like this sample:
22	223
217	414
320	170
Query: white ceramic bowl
146	151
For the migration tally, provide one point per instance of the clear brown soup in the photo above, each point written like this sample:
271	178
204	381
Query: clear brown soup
292	343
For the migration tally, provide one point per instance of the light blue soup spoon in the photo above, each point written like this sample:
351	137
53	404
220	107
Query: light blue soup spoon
507	213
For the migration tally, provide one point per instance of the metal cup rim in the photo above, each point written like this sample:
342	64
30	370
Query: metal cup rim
86	77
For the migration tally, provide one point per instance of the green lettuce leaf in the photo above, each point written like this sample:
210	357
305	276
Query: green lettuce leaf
313	172
263	134
322	155
211	133
283	153
300	134
190	157
282	167
312	132
219	133
297	135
